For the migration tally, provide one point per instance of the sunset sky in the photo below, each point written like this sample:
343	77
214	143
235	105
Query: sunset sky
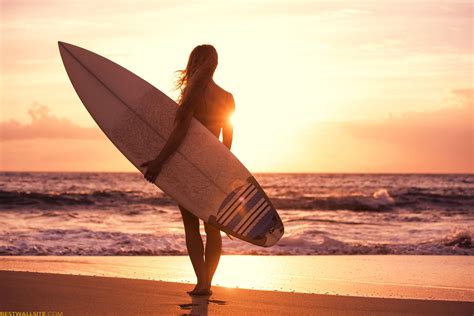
320	86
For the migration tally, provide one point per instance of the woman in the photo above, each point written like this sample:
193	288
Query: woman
204	100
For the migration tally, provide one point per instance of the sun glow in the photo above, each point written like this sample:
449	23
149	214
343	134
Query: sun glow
232	119
296	93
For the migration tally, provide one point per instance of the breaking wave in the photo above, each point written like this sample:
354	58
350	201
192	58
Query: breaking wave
380	200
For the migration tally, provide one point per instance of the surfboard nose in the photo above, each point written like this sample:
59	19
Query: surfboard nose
63	48
64	43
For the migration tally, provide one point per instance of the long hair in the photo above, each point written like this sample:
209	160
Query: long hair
193	80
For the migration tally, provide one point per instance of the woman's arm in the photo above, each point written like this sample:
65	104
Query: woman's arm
175	139
173	142
183	120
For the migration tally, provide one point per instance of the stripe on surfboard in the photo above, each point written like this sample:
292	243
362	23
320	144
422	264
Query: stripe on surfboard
241	201
250	220
234	198
223	215
250	214
261	226
236	195
256	219
239	206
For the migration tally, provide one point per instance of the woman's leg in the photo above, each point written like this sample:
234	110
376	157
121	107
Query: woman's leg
213	250
195	247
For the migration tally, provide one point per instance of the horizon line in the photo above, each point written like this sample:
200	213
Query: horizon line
265	172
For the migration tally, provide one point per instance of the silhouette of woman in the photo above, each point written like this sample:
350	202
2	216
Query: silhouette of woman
204	100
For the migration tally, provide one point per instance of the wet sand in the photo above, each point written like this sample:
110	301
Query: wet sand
390	276
292	285
89	295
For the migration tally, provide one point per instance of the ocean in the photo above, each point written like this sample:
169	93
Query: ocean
74	213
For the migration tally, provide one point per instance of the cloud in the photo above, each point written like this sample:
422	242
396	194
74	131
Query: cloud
62	155
440	137
45	125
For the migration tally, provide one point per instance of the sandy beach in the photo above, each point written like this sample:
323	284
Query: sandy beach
87	295
134	285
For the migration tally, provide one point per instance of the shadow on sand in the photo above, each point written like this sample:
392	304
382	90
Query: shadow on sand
199	305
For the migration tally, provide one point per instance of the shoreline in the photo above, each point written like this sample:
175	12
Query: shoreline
75	295
406	277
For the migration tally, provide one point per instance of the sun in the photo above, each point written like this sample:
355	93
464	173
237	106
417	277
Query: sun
232	119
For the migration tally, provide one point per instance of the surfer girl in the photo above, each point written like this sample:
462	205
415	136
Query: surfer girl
201	98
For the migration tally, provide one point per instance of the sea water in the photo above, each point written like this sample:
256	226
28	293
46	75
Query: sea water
121	214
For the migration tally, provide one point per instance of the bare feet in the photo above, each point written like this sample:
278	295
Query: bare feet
200	290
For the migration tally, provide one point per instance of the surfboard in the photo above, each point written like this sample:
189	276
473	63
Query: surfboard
202	175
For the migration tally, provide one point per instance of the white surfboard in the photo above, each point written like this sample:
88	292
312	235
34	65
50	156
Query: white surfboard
202	175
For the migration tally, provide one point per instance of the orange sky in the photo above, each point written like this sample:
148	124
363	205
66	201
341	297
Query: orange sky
320	86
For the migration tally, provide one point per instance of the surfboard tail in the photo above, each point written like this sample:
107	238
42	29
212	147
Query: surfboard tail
248	214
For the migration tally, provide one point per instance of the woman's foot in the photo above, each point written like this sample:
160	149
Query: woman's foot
200	290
